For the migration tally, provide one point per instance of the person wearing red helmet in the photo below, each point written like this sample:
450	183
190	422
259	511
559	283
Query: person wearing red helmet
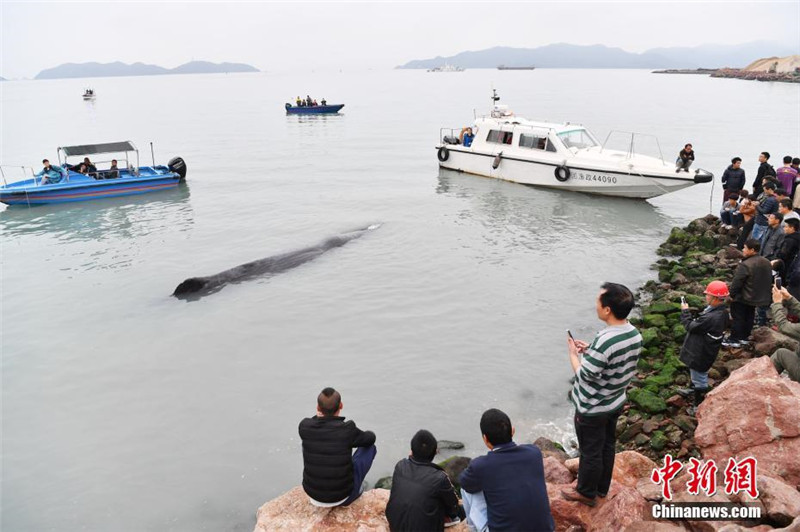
703	339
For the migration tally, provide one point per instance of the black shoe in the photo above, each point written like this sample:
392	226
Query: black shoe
685	392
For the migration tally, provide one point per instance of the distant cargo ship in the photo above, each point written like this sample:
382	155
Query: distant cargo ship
503	67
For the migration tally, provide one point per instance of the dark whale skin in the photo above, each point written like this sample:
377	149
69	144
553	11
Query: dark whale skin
196	287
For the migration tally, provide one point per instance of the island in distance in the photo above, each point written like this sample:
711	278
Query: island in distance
104	70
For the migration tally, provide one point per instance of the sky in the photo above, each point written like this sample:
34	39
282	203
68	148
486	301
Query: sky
279	36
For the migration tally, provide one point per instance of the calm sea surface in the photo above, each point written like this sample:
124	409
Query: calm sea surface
126	409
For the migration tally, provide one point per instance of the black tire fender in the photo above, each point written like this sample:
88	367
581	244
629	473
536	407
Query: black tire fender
443	154
562	173
496	161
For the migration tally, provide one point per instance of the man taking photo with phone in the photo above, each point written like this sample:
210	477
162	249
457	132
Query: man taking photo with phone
603	370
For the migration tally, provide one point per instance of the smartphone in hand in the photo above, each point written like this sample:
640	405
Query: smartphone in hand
778	283
570	335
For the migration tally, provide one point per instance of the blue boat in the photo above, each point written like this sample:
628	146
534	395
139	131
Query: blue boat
76	186
313	110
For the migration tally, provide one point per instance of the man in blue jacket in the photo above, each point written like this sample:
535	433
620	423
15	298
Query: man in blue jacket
505	489
50	173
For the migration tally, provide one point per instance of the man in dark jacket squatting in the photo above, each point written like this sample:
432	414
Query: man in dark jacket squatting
703	339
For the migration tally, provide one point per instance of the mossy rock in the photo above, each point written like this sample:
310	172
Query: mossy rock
662	307
384	483
650	337
664	275
677	236
658	441
643	365
707	243
655	320
678	332
647	401
696	301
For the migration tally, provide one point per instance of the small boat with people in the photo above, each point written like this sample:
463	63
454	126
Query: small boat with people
84	181
309	106
565	156
503	67
89	94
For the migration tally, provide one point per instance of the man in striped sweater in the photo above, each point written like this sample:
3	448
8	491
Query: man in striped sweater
603	370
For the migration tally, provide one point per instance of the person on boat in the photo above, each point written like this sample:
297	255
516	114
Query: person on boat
323	102
50	173
466	137
308	100
90	168
685	159
299	102
314	103
113	172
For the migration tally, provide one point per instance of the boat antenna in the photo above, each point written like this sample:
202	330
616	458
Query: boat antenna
495	97
152	154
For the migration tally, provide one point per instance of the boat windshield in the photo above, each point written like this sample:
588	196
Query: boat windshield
577	138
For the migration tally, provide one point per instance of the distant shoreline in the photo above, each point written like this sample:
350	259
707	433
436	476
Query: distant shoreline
737	73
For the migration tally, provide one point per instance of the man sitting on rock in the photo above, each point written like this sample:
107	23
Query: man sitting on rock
786	359
603	370
332	476
505	489
422	496
750	288
703	339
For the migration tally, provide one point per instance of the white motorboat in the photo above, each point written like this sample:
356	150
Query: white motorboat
560	155
88	94
446	68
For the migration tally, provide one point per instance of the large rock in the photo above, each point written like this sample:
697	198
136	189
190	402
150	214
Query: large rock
454	466
781	501
629	468
556	472
292	512
753	413
550	448
621	508
766	341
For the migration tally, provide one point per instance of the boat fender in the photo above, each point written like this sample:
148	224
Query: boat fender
562	173
443	154
497	159
177	165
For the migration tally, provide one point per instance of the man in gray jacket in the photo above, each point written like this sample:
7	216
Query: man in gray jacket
750	288
786	359
773	237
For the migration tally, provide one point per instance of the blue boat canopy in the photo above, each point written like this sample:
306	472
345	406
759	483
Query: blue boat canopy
91	149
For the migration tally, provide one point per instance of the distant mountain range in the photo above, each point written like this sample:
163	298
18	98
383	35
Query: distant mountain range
104	70
599	56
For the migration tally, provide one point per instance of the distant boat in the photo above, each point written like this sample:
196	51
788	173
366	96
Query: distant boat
88	94
313	110
446	68
503	67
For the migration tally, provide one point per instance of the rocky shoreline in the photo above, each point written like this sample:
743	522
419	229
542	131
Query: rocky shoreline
737	73
751	411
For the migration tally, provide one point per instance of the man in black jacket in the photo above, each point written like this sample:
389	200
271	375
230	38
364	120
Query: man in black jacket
733	178
703	338
422	495
332	476
750	288
764	170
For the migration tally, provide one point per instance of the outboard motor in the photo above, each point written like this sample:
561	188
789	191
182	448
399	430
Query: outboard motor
177	165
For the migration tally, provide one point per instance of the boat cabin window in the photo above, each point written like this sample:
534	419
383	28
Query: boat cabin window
577	138
500	137
536	142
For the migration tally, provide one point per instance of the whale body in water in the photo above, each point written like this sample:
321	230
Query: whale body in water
196	287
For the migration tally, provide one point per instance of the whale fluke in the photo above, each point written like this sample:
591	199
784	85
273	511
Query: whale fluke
197	287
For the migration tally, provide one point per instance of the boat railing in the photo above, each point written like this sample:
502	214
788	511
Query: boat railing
448	132
631	142
23	169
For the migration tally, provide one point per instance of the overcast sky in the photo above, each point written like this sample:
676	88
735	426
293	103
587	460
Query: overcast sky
330	35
